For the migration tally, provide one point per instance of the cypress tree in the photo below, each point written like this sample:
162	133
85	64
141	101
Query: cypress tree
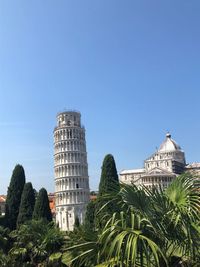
89	221
27	204
14	196
109	181
42	209
108	186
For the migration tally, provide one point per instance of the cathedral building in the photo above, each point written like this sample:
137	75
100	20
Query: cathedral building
161	167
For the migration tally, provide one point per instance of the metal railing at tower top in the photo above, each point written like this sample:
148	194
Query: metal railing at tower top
68	110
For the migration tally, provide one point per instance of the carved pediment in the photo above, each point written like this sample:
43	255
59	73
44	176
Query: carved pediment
157	170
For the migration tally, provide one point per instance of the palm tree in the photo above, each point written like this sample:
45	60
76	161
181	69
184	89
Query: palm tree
173	212
35	242
127	240
152	228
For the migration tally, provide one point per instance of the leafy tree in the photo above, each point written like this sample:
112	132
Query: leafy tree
27	204
14	196
5	242
42	209
109	178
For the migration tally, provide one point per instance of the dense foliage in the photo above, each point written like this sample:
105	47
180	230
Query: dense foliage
33	244
89	222
27	204
77	222
143	228
152	228
42	209
14	196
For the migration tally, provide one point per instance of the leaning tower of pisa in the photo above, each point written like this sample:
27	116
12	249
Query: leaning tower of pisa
71	169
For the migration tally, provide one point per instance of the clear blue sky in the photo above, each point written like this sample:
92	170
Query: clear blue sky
132	68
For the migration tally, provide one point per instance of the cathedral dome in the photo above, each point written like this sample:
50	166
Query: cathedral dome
169	145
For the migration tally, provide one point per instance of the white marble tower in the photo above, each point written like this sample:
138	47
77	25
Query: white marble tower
71	169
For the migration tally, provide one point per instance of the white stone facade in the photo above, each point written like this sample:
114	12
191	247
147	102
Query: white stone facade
161	167
194	169
71	170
